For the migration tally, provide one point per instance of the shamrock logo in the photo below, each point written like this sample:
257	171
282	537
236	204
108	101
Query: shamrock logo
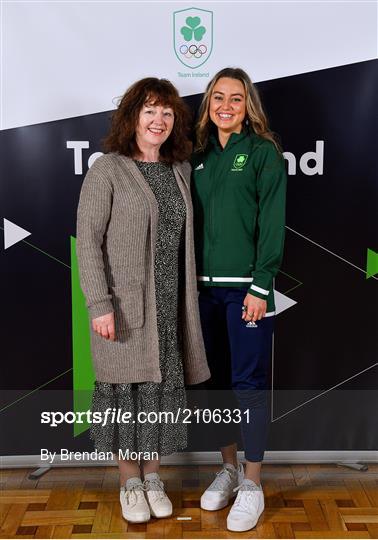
240	160
193	29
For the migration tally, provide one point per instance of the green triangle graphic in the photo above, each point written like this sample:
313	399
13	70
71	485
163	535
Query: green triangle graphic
83	374
371	263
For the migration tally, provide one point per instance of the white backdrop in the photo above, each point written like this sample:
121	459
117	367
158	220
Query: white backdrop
62	59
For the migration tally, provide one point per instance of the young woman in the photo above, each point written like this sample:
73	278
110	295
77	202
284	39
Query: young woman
136	260
239	184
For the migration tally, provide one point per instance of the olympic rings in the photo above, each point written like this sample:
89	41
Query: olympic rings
193	50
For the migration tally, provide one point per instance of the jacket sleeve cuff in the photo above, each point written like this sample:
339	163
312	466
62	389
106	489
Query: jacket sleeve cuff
100	308
257	291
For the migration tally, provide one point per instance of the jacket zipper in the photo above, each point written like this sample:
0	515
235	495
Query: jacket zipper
211	220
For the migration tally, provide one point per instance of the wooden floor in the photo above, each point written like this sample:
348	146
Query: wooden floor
314	501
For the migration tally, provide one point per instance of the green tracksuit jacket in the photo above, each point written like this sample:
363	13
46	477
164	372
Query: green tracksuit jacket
239	214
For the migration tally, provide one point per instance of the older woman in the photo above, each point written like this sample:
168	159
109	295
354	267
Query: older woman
239	183
137	270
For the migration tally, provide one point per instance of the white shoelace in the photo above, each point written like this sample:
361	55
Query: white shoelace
155	486
244	503
221	478
134	494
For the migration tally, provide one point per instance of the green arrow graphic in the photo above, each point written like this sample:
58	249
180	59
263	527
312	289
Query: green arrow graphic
83	374
371	263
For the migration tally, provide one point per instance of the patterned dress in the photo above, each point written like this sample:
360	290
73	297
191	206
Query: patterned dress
169	395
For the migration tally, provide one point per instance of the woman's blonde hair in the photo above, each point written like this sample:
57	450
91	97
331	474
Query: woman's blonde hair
255	118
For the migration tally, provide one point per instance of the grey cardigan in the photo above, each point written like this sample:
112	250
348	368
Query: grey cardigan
116	234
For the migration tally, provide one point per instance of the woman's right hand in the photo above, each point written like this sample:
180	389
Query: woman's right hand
104	326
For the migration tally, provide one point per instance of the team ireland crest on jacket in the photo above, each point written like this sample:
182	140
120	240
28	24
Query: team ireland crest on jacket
193	36
239	162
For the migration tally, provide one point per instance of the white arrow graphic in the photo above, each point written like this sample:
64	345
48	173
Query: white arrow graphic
13	233
282	302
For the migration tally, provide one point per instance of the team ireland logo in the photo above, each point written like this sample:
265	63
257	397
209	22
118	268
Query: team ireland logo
239	161
193	36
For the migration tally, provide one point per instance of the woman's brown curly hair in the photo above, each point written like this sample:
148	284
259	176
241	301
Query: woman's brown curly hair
125	119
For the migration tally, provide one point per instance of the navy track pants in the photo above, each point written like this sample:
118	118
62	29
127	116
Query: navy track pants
239	358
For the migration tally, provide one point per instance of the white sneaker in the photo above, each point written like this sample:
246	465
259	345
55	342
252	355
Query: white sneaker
221	490
133	502
160	505
247	508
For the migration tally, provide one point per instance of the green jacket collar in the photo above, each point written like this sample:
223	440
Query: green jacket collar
233	139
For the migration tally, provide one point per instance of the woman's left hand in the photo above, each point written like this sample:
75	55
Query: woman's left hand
255	308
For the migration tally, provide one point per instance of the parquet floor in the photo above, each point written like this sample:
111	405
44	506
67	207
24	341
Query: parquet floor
313	501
